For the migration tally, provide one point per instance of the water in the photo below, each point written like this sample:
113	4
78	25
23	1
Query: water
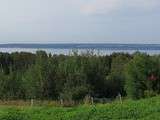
101	49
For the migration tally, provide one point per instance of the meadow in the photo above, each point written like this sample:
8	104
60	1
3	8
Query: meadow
144	109
43	86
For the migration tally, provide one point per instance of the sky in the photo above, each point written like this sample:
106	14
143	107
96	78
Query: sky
80	21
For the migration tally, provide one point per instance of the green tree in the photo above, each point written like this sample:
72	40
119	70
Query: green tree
116	79
136	73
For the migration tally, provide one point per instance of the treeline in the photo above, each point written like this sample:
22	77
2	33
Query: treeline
72	77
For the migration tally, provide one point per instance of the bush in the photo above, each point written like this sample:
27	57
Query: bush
150	93
14	114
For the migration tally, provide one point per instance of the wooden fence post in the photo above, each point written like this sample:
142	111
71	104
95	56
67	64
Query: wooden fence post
32	102
61	102
92	102
120	98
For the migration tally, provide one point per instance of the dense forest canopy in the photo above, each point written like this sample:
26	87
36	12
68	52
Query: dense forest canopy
72	77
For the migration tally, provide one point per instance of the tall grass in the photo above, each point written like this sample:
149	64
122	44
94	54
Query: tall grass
145	109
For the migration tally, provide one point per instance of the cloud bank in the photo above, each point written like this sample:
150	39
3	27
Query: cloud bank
109	6
80	21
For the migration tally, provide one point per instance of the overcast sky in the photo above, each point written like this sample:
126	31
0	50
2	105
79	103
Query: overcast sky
62	21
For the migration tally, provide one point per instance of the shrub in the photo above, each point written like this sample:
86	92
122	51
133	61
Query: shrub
149	93
14	114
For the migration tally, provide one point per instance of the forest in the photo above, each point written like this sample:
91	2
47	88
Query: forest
45	76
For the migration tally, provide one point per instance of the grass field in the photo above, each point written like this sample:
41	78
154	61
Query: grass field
145	109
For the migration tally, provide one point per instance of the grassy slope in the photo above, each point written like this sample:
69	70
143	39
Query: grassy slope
147	109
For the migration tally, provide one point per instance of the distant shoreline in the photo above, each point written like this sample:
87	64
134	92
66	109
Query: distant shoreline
109	46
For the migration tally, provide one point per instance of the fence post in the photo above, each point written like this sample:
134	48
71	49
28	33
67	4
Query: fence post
61	102
32	102
120	98
92	102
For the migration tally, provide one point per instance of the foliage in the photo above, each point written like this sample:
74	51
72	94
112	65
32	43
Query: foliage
141	74
72	77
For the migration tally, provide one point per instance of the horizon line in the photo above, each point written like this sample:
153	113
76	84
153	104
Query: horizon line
76	43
